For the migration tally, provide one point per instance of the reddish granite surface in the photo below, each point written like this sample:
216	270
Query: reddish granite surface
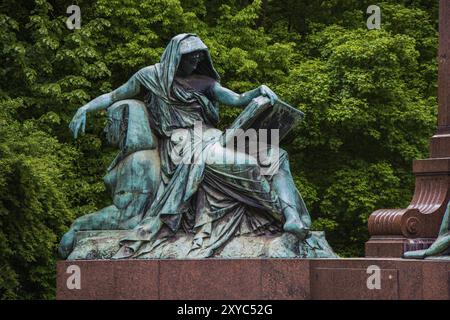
255	279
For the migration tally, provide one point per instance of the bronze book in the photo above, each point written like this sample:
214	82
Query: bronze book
260	114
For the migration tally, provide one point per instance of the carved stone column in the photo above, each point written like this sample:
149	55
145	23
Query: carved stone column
394	231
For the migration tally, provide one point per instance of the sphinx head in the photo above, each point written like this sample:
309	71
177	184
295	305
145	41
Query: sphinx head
116	125
128	126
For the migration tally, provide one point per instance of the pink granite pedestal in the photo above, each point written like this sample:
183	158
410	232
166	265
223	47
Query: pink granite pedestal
250	279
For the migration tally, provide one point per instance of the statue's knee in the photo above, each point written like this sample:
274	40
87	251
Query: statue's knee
283	159
283	154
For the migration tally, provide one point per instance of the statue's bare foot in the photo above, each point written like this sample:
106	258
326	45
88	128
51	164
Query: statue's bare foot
418	254
295	226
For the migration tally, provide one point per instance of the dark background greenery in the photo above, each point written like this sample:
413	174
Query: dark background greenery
369	97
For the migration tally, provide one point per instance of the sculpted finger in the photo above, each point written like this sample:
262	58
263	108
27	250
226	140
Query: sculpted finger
78	127
74	133
72	128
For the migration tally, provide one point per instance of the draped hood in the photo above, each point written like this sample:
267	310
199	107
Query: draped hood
182	44
158	79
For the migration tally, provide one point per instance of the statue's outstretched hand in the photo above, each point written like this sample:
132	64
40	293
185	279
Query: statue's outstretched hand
267	92
78	122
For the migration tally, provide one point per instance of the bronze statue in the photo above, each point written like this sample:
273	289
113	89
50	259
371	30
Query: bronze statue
175	182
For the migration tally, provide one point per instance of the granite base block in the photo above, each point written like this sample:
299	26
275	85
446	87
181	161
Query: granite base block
253	279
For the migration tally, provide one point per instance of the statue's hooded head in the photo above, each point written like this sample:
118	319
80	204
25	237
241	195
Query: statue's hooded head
186	54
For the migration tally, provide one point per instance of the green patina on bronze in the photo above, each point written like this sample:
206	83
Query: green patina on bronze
440	249
203	207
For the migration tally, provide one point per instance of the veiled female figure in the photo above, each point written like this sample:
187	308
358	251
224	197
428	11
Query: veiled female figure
207	196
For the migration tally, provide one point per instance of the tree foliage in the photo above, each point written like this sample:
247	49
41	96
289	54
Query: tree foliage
369	98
